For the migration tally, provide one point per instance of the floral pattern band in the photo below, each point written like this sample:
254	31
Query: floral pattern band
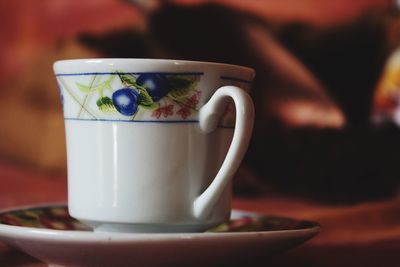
147	96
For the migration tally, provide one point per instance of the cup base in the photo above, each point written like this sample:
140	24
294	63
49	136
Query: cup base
149	228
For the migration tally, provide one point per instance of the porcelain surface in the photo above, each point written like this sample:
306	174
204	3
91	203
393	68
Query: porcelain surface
152	145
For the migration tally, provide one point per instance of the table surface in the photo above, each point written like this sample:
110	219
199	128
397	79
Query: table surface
365	234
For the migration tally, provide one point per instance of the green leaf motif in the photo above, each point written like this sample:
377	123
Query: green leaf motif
128	79
181	86
85	89
105	104
99	86
145	99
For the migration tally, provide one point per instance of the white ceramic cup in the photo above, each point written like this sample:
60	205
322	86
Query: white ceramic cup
152	145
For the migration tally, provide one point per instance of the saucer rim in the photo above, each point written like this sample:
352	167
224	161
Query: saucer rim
115	237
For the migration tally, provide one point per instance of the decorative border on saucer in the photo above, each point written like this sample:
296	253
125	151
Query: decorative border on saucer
56	217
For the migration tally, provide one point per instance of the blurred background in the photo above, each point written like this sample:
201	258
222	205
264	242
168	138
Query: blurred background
326	93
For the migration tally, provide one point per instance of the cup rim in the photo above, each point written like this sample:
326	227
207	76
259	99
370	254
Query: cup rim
159	60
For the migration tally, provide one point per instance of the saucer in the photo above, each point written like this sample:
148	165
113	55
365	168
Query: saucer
48	233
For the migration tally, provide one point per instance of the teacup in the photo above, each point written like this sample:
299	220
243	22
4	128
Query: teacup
152	145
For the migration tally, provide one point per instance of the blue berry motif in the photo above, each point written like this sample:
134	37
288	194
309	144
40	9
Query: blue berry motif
126	101
155	84
156	95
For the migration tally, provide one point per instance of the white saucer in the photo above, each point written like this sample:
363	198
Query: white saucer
249	237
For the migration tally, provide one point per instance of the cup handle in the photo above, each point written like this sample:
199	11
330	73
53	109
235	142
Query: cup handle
209	116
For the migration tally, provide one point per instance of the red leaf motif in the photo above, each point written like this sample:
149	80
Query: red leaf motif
168	110
193	101
157	113
184	113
